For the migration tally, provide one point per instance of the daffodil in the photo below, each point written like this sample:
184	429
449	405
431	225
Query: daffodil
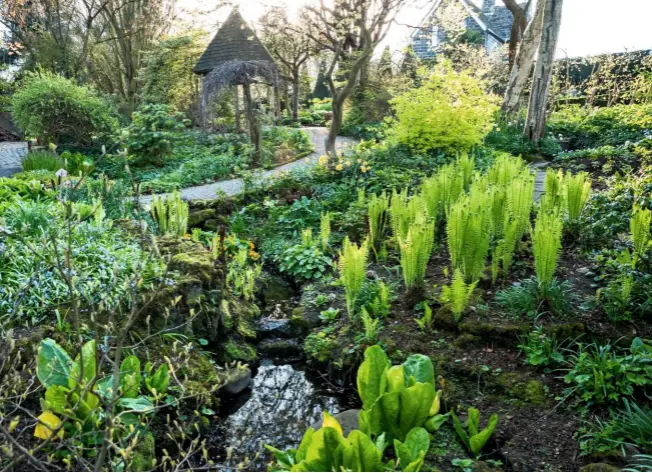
339	167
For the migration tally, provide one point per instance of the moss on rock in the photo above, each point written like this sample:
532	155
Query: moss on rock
144	455
195	219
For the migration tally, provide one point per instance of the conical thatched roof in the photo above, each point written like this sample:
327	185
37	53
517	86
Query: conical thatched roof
234	41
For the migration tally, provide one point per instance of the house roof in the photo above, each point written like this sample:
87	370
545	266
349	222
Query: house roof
498	24
235	40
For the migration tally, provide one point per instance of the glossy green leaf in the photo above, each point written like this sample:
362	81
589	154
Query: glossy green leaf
88	353
460	431
421	368
473	421
130	377
415	406
159	381
478	441
396	378
416	444
359	453
56	399
53	365
434	422
372	379
139	404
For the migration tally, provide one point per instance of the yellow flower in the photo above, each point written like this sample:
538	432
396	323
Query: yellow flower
363	169
365	163
339	167
359	161
347	163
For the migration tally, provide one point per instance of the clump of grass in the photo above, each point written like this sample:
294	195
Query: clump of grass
46	160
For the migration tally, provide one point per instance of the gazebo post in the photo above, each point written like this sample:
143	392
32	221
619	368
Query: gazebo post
236	108
252	121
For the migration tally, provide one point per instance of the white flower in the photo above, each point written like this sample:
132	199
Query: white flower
61	173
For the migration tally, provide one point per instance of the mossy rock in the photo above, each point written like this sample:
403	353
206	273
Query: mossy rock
444	319
144	455
192	263
196	219
599	467
466	340
275	291
566	331
499	335
280	348
304	320
239	350
530	391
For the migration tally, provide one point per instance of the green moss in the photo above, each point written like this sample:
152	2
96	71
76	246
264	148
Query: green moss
195	219
201	265
529	391
466	340
239	350
144	455
500	335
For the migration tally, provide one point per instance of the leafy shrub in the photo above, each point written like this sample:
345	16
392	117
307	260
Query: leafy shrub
451	111
150	137
55	109
540	349
601	375
305	262
508	137
45	160
585	127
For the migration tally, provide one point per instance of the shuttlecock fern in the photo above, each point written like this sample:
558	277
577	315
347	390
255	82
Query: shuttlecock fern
546	245
325	230
458	294
377	207
403	211
352	267
306	237
442	189
371	326
505	169
553	198
639	226
465	166
170	214
415	251
577	191
468	230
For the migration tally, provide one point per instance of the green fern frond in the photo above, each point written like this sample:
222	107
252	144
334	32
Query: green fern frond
415	251
352	266
546	245
458	294
577	192
325	230
170	214
639	226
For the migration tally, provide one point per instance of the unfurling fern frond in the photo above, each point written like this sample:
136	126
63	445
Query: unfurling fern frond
553	198
415	251
352	267
639	226
546	245
458	294
325	230
577	191
306	237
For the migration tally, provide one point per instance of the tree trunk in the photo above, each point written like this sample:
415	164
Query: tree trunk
519	25
535	124
524	60
236	108
255	136
296	77
277	104
336	126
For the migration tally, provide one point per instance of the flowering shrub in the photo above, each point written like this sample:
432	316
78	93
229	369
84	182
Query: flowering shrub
450	111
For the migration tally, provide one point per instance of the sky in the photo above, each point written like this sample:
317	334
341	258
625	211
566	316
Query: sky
588	26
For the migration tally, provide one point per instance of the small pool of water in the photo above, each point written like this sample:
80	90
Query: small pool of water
283	403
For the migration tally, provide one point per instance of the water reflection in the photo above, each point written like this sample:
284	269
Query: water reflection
283	404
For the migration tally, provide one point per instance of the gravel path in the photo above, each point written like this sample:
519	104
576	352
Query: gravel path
11	154
235	186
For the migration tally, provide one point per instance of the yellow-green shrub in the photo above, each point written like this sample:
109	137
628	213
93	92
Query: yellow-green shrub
451	111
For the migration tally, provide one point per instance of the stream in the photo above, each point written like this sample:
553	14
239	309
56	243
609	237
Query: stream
282	404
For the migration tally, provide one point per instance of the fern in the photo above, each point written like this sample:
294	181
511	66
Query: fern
458	294
170	214
639	226
425	322
577	191
442	189
505	169
352	267
325	230
415	251
546	245
381	303
465	166
371	327
377	214
468	230
553	198
404	211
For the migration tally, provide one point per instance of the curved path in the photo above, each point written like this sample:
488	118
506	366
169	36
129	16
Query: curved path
235	186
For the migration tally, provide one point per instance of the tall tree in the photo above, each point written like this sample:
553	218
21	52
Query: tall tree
519	24
385	68
350	30
410	63
535	123
291	45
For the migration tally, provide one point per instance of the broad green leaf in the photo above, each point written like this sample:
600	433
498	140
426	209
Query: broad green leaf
436	404
104	387
479	440
56	398
433	423
321	453
139	404
372	379
416	444
421	368
417	464
473	421
395	378
159	381
304	445
330	421
88	352
460	431
284	458
54	364
415	406
359	453
130	377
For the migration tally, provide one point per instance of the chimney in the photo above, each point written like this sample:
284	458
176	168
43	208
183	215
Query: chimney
488	7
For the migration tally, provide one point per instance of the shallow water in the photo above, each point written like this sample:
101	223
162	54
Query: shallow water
282	405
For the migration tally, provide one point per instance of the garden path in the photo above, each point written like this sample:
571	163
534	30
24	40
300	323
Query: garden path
11	154
539	180
235	186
